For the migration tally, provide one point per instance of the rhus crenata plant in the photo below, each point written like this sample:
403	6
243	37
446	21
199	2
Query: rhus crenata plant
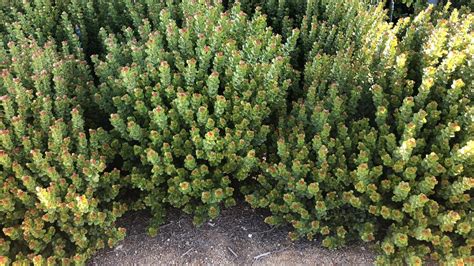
76	21
307	172
58	198
424	140
339	122
193	101
380	146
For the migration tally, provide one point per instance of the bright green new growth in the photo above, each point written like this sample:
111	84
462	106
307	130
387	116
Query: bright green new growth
381	140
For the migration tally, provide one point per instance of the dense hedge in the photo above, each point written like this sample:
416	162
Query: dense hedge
198	118
339	122
388	157
304	180
58	200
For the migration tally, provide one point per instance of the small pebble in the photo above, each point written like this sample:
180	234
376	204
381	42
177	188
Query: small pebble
250	235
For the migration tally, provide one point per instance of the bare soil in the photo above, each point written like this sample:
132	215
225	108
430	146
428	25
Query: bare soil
237	237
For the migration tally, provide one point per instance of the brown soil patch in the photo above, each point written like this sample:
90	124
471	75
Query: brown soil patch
238	236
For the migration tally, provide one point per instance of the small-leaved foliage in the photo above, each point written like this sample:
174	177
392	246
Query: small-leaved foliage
339	122
193	101
58	197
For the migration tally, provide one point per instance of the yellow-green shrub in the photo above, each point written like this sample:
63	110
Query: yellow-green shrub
58	199
380	147
193	102
345	126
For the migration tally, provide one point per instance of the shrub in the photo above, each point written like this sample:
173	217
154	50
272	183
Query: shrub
283	16
380	146
62	20
77	21
194	103
425	140
58	200
340	123
308	170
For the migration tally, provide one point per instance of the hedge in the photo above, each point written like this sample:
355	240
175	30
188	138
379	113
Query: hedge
388	157
58	199
339	122
199	118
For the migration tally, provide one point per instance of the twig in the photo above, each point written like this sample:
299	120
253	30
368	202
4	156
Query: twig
185	253
262	255
269	253
235	254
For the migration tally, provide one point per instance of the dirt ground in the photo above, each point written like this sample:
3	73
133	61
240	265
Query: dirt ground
237	237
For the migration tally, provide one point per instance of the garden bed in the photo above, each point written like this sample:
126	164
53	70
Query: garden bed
238	236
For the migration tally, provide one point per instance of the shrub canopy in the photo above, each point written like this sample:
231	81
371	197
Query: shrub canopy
340	122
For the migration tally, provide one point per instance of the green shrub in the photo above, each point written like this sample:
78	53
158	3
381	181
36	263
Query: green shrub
340	123
57	199
381	144
402	8
69	20
77	21
304	178
194	103
282	15
425	140
285	15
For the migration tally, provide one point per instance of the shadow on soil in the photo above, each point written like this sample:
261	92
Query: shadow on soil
237	236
